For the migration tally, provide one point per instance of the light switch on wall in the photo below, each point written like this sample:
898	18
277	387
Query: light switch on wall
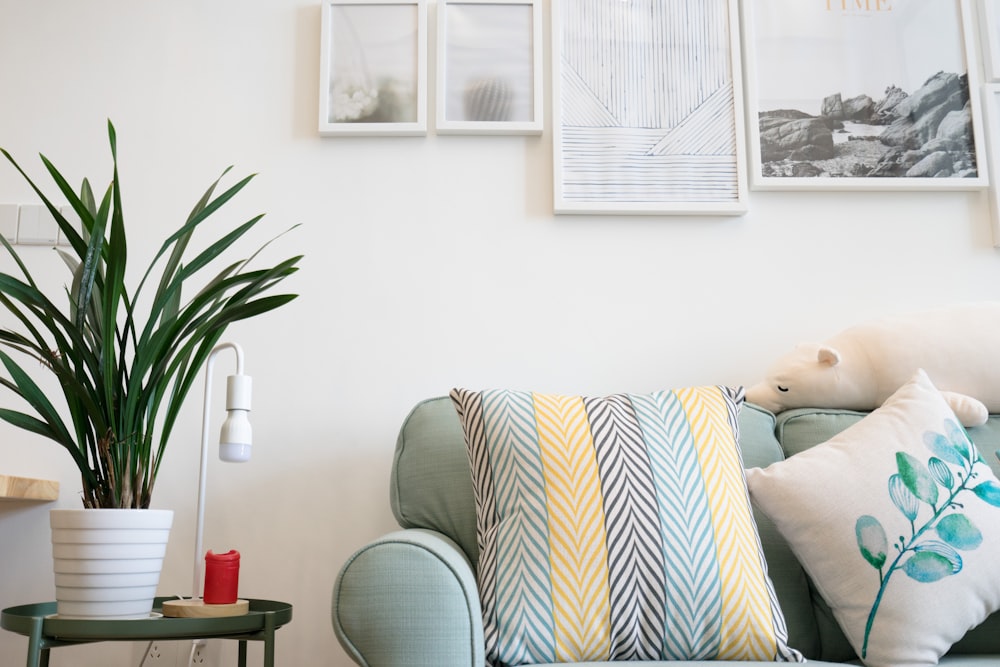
8	222
36	226
73	219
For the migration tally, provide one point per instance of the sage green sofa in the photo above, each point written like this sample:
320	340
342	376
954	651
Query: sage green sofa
409	598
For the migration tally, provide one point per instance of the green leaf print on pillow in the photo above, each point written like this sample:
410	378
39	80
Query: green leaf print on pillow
931	552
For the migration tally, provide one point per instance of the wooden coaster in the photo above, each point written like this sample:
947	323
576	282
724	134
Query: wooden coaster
198	609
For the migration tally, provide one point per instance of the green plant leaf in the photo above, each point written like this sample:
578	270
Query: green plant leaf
941	473
68	230
988	491
903	498
35	397
953	447
959	439
89	275
932	561
28	423
181	242
872	540
958	531
917	478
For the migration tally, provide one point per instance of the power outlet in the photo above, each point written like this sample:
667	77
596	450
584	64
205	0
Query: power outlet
199	653
155	654
180	653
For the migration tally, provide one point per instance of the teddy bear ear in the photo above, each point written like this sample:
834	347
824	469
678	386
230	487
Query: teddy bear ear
828	355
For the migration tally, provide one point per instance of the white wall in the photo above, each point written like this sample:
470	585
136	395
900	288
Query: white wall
430	262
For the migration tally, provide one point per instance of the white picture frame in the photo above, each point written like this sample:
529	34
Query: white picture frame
643	126
991	114
989	34
489	67
811	73
373	68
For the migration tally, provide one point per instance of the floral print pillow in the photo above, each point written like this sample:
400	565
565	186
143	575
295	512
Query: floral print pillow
897	521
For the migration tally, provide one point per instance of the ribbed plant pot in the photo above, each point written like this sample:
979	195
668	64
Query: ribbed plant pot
107	562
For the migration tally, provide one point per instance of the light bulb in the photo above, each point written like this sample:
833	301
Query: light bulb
237	435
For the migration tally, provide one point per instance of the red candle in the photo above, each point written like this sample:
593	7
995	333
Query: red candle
222	575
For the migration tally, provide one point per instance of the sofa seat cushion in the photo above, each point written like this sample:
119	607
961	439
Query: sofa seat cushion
617	528
895	520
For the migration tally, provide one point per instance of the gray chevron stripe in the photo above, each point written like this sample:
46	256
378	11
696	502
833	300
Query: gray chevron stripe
737	395
635	564
468	405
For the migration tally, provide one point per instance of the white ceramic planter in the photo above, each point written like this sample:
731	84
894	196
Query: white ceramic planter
107	562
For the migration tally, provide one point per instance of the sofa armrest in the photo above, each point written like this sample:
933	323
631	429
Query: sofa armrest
409	598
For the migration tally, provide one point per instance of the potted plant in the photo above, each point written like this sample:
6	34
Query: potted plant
124	360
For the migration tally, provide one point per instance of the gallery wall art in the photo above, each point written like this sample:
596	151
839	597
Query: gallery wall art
489	67
989	24
373	67
647	107
991	111
862	95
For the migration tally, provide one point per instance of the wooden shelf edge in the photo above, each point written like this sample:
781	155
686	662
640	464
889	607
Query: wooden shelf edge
27	488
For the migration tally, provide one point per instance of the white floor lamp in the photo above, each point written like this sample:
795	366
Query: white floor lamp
235	440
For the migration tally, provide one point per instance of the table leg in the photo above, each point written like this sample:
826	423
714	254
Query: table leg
35	643
243	653
269	639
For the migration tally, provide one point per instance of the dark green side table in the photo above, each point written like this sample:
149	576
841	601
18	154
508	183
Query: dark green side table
45	630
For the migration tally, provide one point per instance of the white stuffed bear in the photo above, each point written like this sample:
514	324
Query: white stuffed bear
860	367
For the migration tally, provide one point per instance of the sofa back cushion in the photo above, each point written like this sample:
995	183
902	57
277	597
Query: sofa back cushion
431	488
431	482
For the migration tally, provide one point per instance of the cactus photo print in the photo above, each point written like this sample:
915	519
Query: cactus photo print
896	519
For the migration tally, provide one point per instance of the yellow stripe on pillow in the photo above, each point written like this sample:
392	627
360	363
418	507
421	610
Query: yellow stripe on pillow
581	609
745	605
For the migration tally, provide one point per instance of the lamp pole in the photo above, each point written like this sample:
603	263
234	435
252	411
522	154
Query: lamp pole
234	444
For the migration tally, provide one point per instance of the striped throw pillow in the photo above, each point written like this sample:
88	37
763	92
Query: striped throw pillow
617	528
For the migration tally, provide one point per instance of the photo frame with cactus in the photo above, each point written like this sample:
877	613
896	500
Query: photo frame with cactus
489	67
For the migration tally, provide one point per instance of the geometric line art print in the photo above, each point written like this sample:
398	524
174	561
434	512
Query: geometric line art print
647	107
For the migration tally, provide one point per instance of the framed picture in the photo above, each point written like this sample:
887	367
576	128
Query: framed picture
991	110
647	107
489	67
373	68
989	23
862	94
